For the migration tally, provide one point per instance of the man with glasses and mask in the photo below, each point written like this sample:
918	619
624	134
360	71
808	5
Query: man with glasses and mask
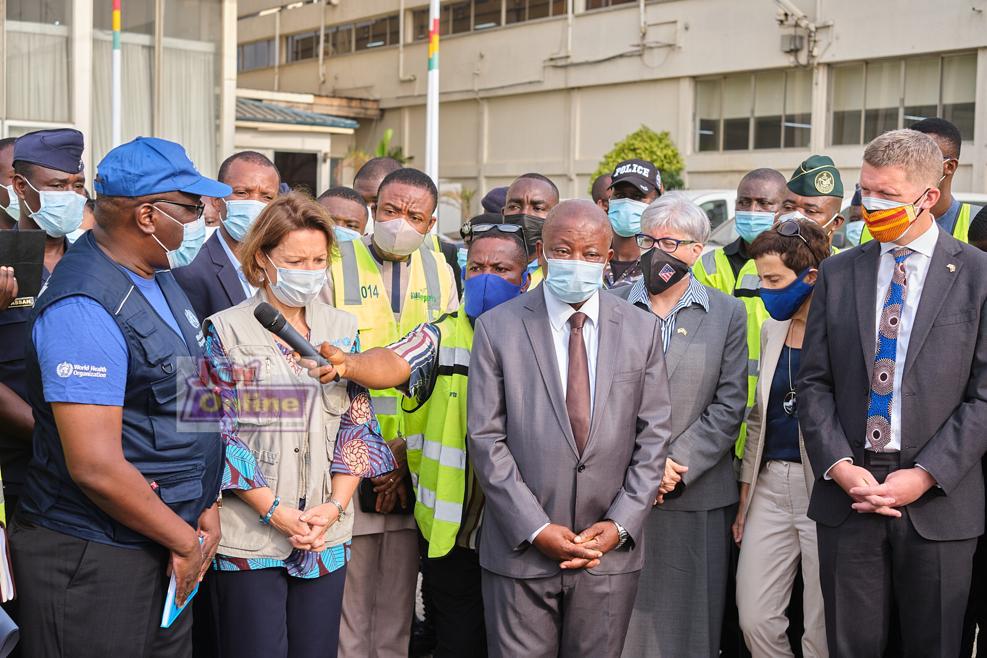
392	281
529	200
431	366
815	192
117	494
49	189
682	595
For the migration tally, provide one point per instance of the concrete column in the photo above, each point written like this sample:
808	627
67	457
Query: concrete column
81	48
227	93
979	178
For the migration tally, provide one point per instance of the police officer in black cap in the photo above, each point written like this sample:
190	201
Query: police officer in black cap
49	182
118	492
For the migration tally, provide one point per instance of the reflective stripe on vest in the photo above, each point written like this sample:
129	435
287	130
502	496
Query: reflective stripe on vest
359	289
747	292
714	270
437	455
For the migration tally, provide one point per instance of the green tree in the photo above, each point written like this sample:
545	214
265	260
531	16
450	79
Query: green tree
646	144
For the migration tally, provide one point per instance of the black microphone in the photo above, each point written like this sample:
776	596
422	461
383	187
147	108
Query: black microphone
272	320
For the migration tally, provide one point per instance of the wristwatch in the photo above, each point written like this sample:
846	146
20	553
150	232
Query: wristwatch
339	506
624	537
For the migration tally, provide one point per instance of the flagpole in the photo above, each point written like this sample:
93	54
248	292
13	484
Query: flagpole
432	99
115	98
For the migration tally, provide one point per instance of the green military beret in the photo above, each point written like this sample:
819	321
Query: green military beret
817	176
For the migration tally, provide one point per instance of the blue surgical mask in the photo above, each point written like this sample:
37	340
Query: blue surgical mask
853	232
752	223
461	255
193	235
75	235
14	207
573	281
240	216
297	288
344	234
782	303
483	292
625	216
60	212
533	267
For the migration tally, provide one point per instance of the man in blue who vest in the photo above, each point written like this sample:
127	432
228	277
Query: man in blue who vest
116	495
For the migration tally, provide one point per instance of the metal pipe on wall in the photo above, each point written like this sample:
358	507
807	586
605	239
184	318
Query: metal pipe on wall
402	76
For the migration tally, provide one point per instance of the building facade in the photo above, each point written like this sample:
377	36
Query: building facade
551	85
178	72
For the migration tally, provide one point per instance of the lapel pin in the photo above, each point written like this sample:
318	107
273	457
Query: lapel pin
951	267
682	331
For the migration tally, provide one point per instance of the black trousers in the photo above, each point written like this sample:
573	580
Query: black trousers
871	562
82	599
457	602
268	614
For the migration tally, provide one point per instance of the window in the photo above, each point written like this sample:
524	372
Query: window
599	4
377	33
870	98
339	40
764	110
301	46
475	15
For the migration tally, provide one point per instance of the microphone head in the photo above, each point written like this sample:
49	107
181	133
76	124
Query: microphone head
269	317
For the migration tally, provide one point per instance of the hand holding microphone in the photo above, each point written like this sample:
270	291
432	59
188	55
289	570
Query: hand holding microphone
319	367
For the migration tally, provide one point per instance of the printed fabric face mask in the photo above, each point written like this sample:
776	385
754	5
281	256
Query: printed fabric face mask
573	281
888	220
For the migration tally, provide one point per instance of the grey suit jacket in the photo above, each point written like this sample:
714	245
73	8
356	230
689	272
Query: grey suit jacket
521	444
707	374
944	404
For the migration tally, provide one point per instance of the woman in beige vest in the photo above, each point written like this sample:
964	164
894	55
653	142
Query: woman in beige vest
772	526
295	449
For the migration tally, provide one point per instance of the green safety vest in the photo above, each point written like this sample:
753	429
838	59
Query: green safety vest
358	288
961	231
714	270
436	436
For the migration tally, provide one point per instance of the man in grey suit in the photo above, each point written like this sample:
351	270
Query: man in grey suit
893	408
682	596
568	426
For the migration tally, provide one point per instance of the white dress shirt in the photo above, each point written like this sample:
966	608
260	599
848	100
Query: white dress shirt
559	313
248	289
916	269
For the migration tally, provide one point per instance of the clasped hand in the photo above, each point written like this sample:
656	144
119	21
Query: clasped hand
673	475
582	551
900	488
305	530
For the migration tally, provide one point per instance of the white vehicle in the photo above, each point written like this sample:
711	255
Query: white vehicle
719	207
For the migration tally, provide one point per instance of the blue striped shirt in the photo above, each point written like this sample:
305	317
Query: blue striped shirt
694	294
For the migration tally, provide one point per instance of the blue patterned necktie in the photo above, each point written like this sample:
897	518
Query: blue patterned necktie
882	379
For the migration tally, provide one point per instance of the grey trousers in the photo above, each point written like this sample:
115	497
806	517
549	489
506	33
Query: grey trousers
683	589
379	596
573	613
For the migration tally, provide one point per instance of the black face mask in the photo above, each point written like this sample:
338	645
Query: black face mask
661	271
532	229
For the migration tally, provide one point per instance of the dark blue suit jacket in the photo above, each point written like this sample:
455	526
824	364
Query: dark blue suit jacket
210	281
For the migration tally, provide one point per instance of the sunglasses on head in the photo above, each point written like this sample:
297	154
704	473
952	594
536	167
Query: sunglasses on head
791	229
469	231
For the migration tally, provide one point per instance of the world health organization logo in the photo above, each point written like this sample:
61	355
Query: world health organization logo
64	369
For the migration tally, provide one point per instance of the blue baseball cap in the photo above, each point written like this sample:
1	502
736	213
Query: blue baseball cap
148	165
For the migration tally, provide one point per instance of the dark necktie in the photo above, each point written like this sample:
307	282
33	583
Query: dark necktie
577	382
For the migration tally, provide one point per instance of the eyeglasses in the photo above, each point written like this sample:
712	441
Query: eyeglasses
668	245
791	229
198	208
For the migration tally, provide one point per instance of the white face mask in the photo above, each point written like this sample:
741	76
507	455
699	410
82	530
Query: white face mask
297	288
14	205
874	203
397	237
793	215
